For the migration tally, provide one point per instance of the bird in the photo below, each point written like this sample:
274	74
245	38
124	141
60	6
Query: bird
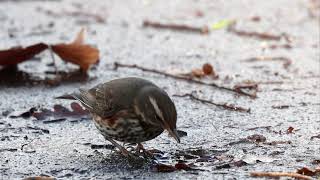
129	110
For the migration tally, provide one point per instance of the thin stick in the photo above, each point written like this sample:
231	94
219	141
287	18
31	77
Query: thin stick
176	27
224	106
286	61
280	174
188	79
258	35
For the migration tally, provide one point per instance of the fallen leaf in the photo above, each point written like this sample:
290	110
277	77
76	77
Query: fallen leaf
61	112
77	52
17	55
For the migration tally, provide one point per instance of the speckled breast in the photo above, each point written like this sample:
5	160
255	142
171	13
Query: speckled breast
127	130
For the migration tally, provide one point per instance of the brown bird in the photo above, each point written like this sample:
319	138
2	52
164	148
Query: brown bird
129	110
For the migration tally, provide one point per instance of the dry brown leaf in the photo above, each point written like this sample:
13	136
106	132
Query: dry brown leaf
77	53
80	37
17	55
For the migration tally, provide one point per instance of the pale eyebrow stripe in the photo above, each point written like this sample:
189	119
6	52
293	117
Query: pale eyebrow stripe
156	107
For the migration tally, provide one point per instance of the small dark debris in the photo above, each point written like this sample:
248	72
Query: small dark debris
182	133
164	168
239	163
273	143
9	149
257	138
54	120
281	107
290	130
102	146
46	131
316	161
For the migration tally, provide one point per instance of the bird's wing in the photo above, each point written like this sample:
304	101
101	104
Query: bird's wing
98	101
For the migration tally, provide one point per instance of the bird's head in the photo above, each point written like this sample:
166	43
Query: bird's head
156	107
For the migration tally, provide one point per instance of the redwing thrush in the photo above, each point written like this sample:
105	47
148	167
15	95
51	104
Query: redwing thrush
130	110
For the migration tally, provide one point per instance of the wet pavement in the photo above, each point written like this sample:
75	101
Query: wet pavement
219	142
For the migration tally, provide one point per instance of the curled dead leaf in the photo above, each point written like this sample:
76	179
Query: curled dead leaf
82	55
77	52
17	55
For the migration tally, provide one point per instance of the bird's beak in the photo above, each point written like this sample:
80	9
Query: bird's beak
174	134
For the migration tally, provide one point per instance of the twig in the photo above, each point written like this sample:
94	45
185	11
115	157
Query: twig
280	174
225	106
188	79
261	127
314	137
54	120
259	35
177	27
249	86
286	61
281	106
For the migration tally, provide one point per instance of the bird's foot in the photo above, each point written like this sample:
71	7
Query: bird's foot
123	150
146	152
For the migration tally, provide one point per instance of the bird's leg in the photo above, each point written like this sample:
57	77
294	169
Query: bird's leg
121	148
